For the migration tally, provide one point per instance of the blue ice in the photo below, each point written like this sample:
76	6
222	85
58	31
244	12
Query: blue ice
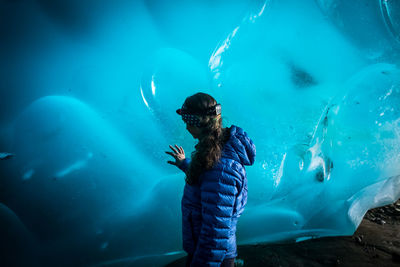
91	91
5	155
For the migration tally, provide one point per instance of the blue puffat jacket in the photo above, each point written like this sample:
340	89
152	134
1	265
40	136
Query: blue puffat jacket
211	209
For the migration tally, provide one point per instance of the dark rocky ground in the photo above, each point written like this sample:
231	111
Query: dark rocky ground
375	243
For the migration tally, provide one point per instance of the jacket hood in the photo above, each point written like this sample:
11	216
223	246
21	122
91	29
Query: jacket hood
239	147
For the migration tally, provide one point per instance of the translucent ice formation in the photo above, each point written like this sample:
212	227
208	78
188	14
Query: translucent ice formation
5	155
92	90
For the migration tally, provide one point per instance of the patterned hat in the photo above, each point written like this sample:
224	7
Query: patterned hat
192	118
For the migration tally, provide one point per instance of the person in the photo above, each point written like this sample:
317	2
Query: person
215	191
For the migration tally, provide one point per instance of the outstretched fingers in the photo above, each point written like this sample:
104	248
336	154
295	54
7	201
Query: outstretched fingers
173	149
172	162
170	153
178	153
178	148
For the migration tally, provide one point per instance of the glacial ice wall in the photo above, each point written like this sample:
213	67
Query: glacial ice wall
89	92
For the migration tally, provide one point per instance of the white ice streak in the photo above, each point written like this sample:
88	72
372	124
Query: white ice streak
74	167
280	171
215	61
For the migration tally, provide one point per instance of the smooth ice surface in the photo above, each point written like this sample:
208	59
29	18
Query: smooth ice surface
89	94
5	155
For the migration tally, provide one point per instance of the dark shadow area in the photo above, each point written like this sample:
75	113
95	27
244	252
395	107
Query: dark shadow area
375	243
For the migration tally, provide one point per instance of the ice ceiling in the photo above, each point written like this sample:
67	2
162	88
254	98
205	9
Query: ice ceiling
89	91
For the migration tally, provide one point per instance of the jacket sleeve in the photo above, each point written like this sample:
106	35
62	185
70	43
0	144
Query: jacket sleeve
218	192
184	164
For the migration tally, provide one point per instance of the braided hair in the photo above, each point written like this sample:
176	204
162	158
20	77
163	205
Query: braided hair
212	138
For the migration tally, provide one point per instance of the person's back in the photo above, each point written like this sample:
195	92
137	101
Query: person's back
213	203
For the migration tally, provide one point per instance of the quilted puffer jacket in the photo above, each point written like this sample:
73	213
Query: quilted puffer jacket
210	210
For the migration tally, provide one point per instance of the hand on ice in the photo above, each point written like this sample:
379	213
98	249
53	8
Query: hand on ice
178	154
